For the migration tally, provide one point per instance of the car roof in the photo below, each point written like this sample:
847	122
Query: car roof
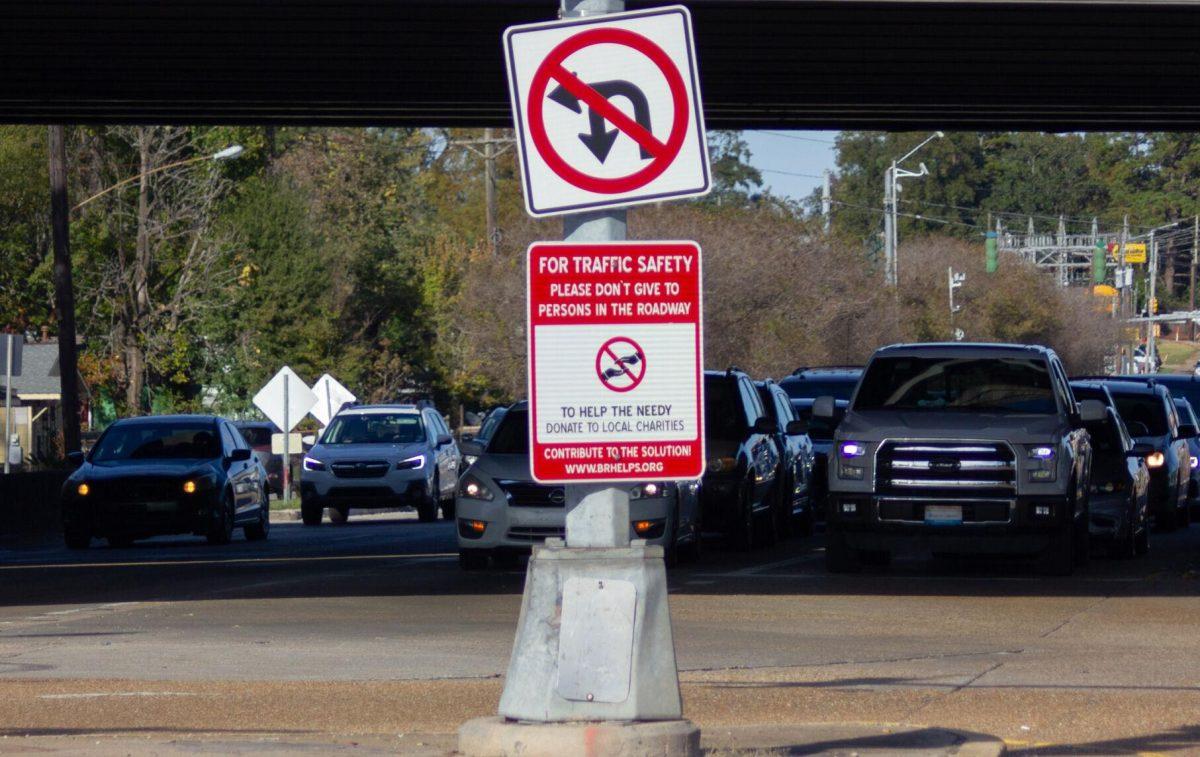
827	372
963	349
167	419
379	409
1128	386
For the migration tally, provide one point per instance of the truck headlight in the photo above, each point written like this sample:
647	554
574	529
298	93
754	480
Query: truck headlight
852	450
1155	460
1043	463
851	472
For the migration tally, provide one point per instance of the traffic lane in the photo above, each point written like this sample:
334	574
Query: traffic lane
358	613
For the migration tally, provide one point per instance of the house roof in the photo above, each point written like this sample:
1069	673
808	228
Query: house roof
39	371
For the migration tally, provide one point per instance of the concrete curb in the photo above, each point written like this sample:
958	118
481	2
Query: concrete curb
850	738
498	737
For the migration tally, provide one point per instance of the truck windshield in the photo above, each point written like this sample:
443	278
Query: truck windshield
979	385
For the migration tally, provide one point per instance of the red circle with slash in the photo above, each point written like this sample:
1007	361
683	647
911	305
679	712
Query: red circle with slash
552	69
621	364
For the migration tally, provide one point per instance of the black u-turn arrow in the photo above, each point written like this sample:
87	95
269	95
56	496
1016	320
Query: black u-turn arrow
600	140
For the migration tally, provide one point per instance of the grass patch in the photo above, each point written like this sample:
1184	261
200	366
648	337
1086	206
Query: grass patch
1178	357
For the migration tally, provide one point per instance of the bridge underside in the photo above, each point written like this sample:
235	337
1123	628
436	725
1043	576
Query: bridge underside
764	63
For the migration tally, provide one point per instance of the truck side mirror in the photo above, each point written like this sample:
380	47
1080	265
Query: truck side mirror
470	448
1187	431
824	408
75	458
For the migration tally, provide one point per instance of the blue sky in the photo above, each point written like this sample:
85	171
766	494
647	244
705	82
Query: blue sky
780	154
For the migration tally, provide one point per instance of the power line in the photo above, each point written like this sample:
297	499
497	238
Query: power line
791	173
916	216
799	137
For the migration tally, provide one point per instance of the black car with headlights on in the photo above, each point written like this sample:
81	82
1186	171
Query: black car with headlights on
960	448
177	474
736	493
1150	415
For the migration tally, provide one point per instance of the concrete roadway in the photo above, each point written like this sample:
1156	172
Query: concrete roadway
368	634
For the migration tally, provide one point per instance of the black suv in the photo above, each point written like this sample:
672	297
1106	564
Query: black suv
963	448
796	461
743	460
804	386
1149	413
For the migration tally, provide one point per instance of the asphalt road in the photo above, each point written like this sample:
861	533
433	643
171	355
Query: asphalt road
370	630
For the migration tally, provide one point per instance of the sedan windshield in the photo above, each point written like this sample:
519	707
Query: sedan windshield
157	441
375	428
980	385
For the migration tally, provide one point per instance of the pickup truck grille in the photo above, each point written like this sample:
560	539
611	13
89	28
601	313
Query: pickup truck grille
945	469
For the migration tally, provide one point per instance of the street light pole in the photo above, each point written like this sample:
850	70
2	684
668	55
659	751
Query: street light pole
229	152
891	190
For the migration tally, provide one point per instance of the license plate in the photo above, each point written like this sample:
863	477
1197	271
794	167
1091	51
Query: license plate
159	506
943	514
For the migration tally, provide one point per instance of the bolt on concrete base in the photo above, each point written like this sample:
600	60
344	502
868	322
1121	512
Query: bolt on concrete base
499	737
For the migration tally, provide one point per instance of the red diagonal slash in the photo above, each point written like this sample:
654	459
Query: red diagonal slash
611	113
620	364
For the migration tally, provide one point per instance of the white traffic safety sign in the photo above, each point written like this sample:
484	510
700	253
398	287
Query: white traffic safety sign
285	399
331	397
615	356
607	111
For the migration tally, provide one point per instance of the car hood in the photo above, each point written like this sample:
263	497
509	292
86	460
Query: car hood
143	469
877	425
332	453
507	467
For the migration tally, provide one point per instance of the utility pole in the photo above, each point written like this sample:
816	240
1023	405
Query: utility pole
64	290
1151	346
889	226
827	201
489	153
954	281
1192	277
1126	284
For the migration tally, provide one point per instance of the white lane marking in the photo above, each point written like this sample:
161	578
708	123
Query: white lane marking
101	694
234	561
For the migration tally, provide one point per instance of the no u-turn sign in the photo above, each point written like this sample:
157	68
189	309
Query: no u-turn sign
607	111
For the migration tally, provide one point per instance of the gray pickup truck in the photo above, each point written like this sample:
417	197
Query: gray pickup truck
961	449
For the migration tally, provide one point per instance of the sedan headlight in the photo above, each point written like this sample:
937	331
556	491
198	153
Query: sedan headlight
84	490
1155	460
648	491
411	463
313	464
472	488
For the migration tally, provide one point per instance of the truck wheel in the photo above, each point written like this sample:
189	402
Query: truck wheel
427	509
839	556
741	527
1141	542
1083	543
784	512
1059	557
311	513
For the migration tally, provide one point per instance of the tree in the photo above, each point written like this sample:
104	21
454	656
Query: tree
26	294
734	180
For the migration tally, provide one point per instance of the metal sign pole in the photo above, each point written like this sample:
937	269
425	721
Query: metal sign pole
287	447
8	364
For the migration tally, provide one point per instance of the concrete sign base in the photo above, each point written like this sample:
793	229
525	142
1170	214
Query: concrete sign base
497	737
594	638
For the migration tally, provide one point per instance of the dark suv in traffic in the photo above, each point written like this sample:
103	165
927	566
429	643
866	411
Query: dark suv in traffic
739	485
961	448
804	386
